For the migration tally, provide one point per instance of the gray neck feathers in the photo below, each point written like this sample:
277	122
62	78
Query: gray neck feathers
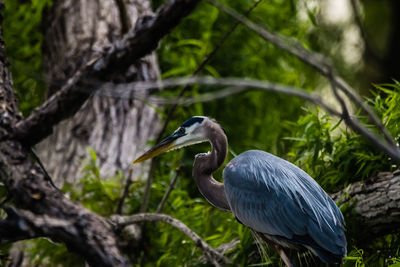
206	164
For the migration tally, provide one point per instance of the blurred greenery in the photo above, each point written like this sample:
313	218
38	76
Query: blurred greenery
285	126
23	37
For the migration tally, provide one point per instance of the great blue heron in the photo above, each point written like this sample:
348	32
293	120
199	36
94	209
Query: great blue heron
270	195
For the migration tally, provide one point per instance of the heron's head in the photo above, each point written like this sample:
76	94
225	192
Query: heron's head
190	132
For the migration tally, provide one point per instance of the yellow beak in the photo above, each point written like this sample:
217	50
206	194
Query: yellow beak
156	150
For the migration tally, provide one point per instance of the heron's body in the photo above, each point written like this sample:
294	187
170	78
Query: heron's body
274	197
268	194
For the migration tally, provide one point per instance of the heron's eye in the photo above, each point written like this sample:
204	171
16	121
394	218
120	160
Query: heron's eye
181	130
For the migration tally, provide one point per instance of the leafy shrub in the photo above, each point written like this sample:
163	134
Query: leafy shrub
334	155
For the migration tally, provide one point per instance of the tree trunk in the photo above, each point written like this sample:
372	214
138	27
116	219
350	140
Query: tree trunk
114	128
375	206
39	209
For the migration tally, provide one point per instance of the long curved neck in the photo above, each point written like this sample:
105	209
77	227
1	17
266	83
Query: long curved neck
206	164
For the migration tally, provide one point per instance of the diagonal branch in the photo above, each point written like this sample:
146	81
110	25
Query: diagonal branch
355	6
140	41
237	86
123	16
242	85
315	60
169	190
212	255
125	192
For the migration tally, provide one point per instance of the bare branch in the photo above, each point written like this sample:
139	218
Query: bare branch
140	41
146	194
170	188
356	126
123	16
125	192
237	85
315	60
244	85
81	230
341	84
355	6
211	254
224	248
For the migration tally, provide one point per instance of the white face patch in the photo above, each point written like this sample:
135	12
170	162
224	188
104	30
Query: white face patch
194	135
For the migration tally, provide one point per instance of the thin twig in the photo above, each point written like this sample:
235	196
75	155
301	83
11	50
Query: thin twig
123	16
315	60
170	188
149	181
125	193
211	254
172	110
47	176
201	66
356	126
355	6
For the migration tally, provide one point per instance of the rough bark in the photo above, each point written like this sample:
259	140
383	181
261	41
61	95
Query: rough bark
39	208
375	205
83	231
112	127
44	211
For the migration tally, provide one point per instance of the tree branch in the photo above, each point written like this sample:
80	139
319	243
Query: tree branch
237	85
375	205
123	16
140	41
315	60
125	192
81	230
355	6
211	254
170	188
244	85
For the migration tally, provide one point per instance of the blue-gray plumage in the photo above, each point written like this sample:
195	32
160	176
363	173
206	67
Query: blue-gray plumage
273	197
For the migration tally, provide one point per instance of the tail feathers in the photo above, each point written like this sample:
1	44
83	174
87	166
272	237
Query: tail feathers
326	256
298	242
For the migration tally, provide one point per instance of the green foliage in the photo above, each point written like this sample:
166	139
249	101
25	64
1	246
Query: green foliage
4	254
355	258
171	247
23	37
326	149
95	193
336	156
168	245
333	154
244	54
44	252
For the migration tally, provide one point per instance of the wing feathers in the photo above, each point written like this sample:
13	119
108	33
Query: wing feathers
275	197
